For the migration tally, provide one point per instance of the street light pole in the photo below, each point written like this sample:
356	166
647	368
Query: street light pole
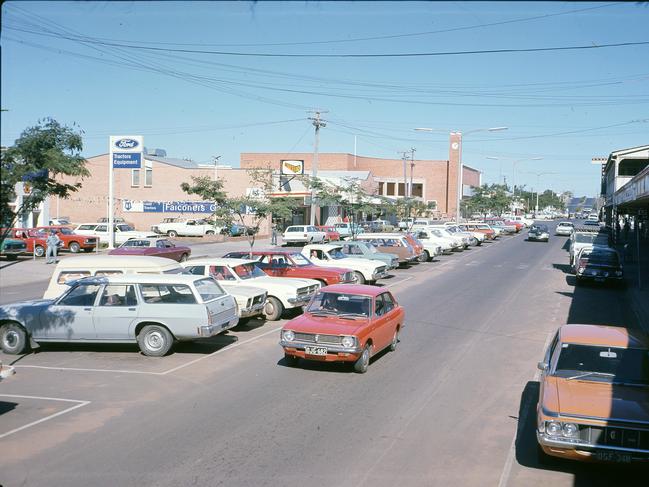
317	123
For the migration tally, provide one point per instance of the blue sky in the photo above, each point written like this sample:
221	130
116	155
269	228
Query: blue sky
115	68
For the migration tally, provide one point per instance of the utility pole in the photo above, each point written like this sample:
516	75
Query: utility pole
317	123
412	168
404	158
216	167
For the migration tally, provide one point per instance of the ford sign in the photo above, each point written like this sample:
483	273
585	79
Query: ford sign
126	144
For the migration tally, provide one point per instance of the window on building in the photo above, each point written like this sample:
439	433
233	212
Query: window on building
381	188
135	178
148	174
417	190
390	189
401	188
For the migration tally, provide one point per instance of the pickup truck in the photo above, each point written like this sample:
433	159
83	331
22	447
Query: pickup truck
186	228
582	238
347	230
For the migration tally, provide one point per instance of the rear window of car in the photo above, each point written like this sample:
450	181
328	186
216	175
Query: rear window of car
86	227
610	258
295	229
71	276
585	237
208	289
167	294
136	243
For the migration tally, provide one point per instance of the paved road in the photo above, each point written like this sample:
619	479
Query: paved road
452	406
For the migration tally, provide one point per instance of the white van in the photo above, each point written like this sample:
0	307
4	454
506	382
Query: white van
106	265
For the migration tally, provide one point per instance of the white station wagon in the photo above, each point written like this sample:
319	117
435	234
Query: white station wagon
232	274
331	255
152	310
304	234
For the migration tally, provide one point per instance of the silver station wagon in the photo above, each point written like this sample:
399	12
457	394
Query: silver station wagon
152	310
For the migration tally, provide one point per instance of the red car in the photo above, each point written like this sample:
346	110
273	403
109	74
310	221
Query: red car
332	234
157	247
290	263
344	323
71	241
35	241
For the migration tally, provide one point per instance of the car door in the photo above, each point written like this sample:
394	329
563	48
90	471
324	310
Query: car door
380	330
191	229
171	251
70	318
116	311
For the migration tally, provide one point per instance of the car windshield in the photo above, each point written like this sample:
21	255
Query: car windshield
136	243
208	289
340	304
596	362
124	228
585	237
248	271
299	260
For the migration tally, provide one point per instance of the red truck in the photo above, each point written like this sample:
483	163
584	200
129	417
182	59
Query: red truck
35	239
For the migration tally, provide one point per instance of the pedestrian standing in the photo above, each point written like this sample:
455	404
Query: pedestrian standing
273	234
52	243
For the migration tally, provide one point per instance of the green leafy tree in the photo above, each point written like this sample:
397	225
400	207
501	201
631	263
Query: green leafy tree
249	211
38	158
487	199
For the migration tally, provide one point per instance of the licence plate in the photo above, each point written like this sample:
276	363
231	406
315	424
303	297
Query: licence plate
315	351
613	456
600	279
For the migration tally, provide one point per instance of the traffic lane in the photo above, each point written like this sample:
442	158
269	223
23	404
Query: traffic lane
276	424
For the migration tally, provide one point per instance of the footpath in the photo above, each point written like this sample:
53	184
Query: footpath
636	270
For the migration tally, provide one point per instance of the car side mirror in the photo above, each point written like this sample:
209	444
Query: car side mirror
542	366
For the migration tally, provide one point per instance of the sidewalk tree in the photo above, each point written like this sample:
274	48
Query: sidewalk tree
38	157
488	198
248	211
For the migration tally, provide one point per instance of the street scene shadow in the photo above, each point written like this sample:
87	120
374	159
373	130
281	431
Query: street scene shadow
565	268
5	407
334	367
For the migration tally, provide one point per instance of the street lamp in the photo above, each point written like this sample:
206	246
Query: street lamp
538	185
459	159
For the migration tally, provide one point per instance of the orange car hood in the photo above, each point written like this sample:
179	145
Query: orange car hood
329	325
601	400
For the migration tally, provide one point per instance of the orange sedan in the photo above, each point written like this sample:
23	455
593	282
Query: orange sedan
594	396
344	323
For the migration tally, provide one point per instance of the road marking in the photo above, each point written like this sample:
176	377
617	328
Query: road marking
473	263
79	404
507	468
116	371
522	266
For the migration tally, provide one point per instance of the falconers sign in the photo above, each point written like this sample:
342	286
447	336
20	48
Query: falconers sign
291	168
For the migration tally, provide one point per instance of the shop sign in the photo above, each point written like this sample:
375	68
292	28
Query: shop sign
126	151
291	167
168	206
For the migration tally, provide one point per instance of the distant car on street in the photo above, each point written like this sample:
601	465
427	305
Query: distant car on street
157	247
564	228
599	264
344	323
538	233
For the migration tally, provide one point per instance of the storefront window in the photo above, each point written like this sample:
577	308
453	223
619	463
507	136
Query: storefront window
135	177
418	190
402	191
148	174
390	189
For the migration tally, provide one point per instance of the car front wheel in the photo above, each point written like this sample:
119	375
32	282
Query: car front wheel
360	279
155	340
395	341
13	339
425	257
74	247
363	362
273	309
184	257
172	233
39	250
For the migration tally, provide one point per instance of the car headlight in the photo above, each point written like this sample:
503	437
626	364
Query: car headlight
288	335
570	430
348	342
553	428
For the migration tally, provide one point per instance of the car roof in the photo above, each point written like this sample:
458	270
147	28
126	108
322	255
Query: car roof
361	289
265	251
142	279
114	261
566	223
329	246
614	336
230	261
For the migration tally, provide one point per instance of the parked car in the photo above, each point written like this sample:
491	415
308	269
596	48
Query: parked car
593	395
331	234
521	219
490	233
374	226
330	255
303	234
233	230
591	223
506	227
122	232
365	250
11	248
348	230
599	264
117	219
445	245
538	233
283	292
189	227
585	237
406	223
395	244
62	220
74	268
564	228
152	310
462	240
344	324
70	240
473	238
289	263
158	247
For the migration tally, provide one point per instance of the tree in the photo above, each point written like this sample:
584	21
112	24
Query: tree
249	211
41	154
487	198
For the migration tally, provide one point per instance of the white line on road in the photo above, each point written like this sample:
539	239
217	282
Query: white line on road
79	404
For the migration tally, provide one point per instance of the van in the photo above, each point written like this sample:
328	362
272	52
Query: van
106	265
